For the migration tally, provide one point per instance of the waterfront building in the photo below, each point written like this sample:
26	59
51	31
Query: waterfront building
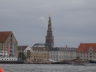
56	54
59	54
70	53
87	51
27	53
8	44
39	53
53	55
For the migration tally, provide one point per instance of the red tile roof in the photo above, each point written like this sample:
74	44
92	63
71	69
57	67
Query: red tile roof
4	35
84	47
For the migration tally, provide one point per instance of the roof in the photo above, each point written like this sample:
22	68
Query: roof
39	45
63	49
84	47
28	48
22	48
4	36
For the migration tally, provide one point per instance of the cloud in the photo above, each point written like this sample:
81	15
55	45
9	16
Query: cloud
72	20
42	18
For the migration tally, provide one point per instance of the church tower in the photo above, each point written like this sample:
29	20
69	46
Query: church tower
49	38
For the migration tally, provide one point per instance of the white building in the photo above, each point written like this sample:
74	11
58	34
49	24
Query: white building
27	50
70	53
53	55
59	54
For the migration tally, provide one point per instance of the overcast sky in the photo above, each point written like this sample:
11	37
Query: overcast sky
73	21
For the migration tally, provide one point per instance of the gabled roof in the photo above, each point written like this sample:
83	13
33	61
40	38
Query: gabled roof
84	47
4	35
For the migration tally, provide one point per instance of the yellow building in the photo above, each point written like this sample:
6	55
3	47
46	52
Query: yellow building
39	53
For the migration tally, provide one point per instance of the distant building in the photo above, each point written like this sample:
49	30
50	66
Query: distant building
8	44
39	53
53	55
28	51
87	51
59	54
70	53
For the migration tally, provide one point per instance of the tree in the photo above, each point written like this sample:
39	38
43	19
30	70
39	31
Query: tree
21	56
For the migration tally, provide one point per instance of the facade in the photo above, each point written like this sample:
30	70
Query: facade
8	44
39	53
87	51
70	53
59	54
27	53
53	55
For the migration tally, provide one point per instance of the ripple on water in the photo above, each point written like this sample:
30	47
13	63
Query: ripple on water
46	68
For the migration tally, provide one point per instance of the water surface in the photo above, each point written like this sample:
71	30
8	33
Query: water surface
47	68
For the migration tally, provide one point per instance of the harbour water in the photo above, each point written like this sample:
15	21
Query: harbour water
47	68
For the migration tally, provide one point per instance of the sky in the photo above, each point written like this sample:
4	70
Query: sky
73	21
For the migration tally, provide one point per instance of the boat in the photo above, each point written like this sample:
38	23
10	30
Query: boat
10	60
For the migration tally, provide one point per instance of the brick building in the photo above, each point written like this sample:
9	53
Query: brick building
87	51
